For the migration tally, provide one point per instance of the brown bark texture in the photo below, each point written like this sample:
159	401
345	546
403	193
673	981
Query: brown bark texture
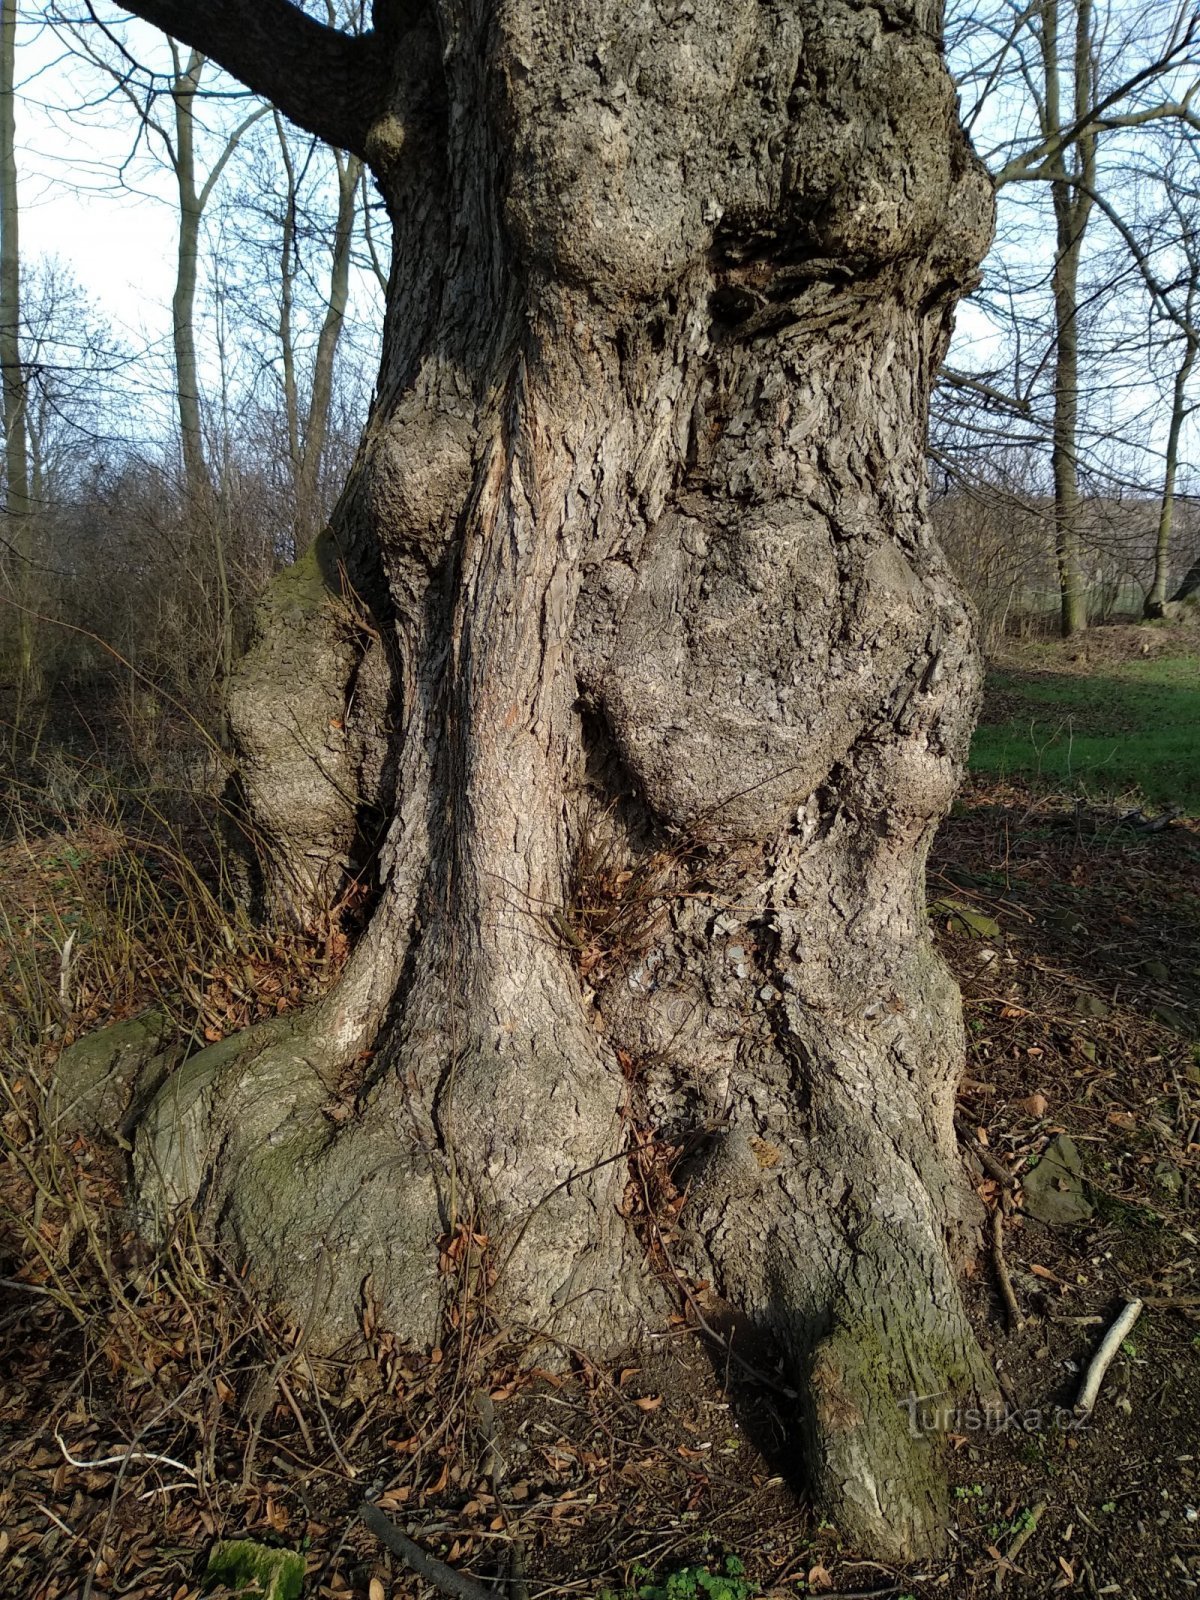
631	623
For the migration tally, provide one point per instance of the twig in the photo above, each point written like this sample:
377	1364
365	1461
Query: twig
1103	1359
1015	1320
980	1151
428	1567
125	1459
840	1594
1026	1531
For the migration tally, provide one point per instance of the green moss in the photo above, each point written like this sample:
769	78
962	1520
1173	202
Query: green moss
255	1571
303	588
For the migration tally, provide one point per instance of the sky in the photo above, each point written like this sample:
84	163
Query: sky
82	200
93	197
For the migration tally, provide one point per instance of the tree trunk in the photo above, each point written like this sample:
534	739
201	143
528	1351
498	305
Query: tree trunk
1072	210
1157	596
320	401
678	685
184	86
17	505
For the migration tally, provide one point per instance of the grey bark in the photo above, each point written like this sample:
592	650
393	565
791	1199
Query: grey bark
307	436
1071	189
17	506
184	85
640	510
1156	598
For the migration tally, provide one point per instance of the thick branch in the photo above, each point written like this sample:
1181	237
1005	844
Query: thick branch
326	81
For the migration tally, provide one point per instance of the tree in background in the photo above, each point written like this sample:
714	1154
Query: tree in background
1077	89
17	507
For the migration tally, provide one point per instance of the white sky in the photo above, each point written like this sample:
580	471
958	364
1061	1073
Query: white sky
116	231
96	201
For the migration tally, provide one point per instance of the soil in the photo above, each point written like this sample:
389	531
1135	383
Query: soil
147	1407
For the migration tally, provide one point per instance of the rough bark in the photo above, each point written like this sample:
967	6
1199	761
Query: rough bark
670	651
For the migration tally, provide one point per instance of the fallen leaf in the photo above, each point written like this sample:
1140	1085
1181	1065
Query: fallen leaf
649	1402
818	1578
1050	1277
375	1590
1035	1105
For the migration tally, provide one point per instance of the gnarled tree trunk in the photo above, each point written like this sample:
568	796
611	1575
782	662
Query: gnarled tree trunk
668	647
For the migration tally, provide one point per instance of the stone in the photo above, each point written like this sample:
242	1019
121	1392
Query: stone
965	921
1054	1190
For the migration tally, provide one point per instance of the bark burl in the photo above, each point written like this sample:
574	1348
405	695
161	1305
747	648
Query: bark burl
640	517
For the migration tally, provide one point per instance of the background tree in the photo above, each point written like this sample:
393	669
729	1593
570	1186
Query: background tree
18	510
1073	89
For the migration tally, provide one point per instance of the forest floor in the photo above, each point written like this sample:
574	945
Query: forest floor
136	1426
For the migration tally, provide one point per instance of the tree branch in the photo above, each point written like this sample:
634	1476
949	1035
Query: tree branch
331	83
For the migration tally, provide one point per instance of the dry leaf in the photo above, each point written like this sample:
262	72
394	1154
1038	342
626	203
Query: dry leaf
375	1590
649	1402
818	1578
1050	1277
1035	1105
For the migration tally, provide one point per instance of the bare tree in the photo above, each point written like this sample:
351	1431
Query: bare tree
175	137
18	508
1065	76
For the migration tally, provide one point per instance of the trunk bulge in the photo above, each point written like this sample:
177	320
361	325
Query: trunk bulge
678	688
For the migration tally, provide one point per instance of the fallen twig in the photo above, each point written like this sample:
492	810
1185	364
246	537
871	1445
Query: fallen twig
126	1458
1026	1531
986	1159
1103	1359
428	1567
1015	1320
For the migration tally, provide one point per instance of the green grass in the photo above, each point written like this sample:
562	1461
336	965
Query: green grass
1134	729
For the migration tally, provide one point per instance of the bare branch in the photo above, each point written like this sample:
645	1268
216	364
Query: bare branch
329	82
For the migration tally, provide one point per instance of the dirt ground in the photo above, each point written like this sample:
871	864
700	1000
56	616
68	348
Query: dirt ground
146	1405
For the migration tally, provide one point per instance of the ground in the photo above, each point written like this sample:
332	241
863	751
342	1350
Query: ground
147	1406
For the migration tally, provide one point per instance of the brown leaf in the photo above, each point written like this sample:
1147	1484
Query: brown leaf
1035	1105
819	1578
375	1590
1050	1277
649	1402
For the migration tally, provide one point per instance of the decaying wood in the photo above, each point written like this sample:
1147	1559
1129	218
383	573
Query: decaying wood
1012	1310
993	1167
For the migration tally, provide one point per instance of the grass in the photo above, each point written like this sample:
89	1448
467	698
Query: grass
1132	730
